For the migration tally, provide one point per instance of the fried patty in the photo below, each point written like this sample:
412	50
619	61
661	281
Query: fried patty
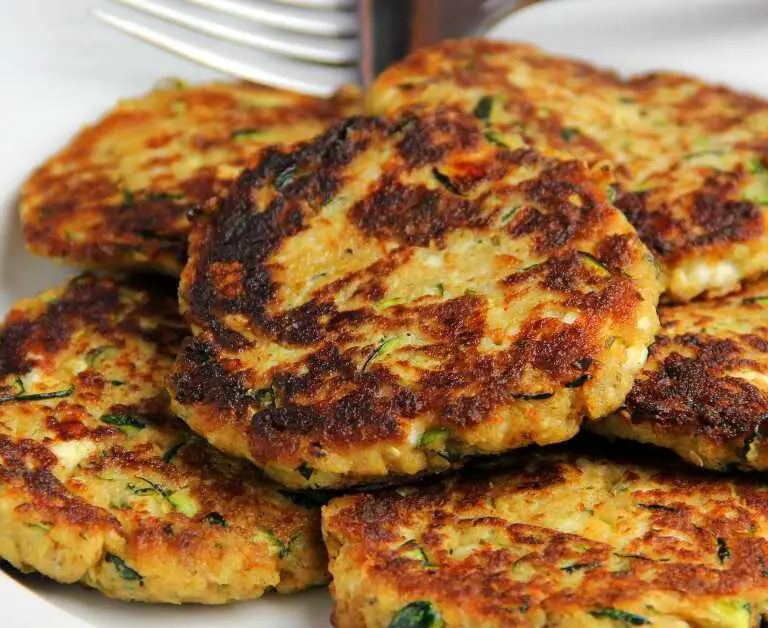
117	196
704	391
557	539
100	484
395	296
692	157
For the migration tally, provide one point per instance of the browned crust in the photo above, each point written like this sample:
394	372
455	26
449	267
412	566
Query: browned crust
231	276
683	209
138	321
525	572
79	207
693	395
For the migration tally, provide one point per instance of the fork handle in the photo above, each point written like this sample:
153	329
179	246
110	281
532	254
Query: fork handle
390	29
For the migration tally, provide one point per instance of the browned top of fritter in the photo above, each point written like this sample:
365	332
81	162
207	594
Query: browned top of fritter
118	194
88	447
390	278
692	157
555	536
704	390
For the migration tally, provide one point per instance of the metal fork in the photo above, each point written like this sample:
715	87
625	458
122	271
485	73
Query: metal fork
310	46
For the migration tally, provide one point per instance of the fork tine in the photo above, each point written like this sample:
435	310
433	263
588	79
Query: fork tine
322	23
332	51
329	77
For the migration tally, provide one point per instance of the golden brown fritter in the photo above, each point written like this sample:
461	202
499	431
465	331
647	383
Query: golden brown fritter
395	296
704	391
100	484
557	539
117	196
692	157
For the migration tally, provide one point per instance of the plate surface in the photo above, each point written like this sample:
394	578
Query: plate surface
61	69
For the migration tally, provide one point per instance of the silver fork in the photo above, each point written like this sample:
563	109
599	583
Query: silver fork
310	46
310	50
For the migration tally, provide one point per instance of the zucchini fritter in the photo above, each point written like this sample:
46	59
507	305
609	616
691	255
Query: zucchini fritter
704	391
558	539
100	484
693	157
117	196
395	296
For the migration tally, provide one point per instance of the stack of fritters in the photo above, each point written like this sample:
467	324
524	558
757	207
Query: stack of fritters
471	268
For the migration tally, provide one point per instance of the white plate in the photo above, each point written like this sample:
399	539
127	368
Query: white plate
59	70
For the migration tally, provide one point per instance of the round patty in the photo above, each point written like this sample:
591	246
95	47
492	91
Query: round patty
704	391
692	157
395	296
117	196
557	539
101	484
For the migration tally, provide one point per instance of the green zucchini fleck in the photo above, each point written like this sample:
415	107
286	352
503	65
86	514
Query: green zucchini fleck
380	349
282	548
305	470
445	181
630	619
171	453
403	123
533	396
433	437
150	488
159	197
612	193
507	216
756	300
494	137
419	614
244	133
569	133
579	381
637	557
129	200
124	420
24	396
440	290
265	397
757	166
595	264
702	153
126	573
658	507
415	552
723	553
483	108
391	302
183	502
94	357
215	519
286	176
39	526
439	441
21	387
580	567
